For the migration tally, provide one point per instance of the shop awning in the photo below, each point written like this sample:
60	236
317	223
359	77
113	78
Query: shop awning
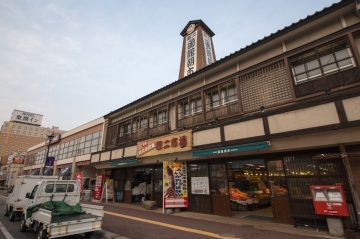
232	149
123	162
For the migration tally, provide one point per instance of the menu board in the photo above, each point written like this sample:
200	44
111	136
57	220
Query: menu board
200	185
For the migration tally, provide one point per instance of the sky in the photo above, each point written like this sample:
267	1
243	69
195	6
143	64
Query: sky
74	61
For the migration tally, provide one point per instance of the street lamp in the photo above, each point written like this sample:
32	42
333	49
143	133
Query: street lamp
50	138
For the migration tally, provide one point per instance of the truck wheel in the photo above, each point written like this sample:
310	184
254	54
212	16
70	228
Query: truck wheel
6	212
12	215
88	234
23	223
42	234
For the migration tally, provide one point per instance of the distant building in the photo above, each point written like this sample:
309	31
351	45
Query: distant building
23	131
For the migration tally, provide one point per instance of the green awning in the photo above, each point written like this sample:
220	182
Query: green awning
232	149
123	162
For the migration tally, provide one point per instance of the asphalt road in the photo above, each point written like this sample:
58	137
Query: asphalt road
146	224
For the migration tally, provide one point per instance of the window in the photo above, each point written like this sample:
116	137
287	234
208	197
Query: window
162	116
158	117
125	129
326	59
195	104
228	93
213	98
190	106
140	123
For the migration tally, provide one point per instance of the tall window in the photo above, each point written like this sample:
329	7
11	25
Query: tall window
195	104
326	59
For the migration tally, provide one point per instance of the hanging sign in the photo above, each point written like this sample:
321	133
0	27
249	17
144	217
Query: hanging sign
175	184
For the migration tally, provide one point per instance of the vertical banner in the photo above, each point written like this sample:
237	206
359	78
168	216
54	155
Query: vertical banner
99	183
175	184
110	188
190	54
79	177
208	49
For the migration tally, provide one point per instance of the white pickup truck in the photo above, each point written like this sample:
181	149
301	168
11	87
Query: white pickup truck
16	200
55	211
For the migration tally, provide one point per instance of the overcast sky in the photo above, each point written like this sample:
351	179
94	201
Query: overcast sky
74	61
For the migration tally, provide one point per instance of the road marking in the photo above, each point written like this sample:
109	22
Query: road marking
5	232
171	226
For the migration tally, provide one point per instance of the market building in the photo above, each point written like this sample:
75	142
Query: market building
66	154
251	131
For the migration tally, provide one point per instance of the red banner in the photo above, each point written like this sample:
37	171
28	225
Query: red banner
79	177
99	186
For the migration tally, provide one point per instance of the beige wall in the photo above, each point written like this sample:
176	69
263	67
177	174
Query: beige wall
116	154
130	151
105	156
206	137
316	116
352	108
242	130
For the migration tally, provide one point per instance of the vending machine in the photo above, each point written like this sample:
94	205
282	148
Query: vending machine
329	200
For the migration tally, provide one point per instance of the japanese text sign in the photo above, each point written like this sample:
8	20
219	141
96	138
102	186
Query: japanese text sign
176	142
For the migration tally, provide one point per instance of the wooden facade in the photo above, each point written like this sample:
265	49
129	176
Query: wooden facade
302	96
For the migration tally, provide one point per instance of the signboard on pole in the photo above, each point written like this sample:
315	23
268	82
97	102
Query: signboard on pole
175	184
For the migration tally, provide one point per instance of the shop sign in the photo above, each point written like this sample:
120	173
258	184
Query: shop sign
232	149
87	162
175	184
176	142
54	140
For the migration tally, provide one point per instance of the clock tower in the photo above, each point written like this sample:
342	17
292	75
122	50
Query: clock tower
198	50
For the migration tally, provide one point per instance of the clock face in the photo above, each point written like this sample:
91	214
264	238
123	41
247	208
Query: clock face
190	29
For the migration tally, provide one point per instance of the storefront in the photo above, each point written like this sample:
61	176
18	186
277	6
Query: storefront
244	180
274	187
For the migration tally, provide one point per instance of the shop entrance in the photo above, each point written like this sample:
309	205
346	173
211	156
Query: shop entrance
220	204
249	189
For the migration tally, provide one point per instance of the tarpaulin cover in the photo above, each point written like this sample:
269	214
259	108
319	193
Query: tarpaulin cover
56	207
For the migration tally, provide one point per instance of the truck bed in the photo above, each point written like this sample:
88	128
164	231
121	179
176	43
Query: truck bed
72	217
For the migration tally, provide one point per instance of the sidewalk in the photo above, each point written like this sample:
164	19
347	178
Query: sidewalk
264	225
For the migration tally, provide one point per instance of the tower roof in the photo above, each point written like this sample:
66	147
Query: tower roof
197	23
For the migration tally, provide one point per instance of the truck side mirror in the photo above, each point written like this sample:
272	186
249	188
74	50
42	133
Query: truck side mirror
27	195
